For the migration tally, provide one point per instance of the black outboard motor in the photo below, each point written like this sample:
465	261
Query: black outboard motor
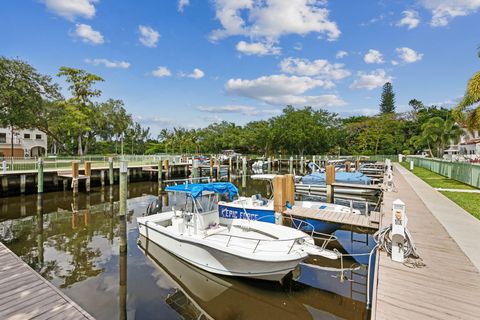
155	207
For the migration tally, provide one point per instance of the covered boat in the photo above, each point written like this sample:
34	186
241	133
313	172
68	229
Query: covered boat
342	177
234	247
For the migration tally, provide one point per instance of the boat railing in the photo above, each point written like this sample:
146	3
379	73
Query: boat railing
299	240
186	181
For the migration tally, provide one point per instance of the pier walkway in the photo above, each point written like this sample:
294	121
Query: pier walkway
24	294
446	236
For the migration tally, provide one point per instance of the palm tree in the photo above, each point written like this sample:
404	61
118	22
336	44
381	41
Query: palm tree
463	113
438	133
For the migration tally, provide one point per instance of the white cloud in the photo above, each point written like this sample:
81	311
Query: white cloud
148	36
257	48
271	19
161	72
320	68
445	10
282	90
87	34
373	56
72	8
182	4
195	74
410	19
394	63
245	110
372	80
324	100
108	63
298	46
409	55
341	54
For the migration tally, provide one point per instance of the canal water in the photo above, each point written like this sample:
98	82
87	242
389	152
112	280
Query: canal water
74	243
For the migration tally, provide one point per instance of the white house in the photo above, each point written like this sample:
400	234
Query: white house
26	143
467	149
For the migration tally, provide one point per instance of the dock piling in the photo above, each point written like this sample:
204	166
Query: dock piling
330	179
110	171
123	187
40	176
290	165
88	173
75	177
290	188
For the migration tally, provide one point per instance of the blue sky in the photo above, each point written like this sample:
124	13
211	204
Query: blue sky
191	62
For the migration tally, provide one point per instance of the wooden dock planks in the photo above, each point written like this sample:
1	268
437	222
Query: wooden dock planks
335	217
24	294
448	287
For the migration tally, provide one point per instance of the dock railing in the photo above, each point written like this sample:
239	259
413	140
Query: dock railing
15	164
468	173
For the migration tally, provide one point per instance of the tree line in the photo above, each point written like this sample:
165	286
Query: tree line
82	125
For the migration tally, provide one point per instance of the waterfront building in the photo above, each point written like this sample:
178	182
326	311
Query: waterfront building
26	142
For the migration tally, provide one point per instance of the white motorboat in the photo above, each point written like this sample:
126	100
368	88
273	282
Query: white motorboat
234	247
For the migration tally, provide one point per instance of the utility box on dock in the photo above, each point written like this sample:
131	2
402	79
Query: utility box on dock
399	223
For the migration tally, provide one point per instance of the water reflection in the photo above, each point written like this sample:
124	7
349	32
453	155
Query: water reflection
203	295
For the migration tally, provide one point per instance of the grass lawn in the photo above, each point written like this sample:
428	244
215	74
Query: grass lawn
436	180
468	201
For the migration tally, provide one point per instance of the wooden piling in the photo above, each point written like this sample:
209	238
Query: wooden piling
279	193
211	166
110	171
269	164
302	164
159	177
75	165
290	165
88	173
219	165
244	166
330	179
194	168
40	176
347	166
123	187
102	177
166	166
290	188
357	165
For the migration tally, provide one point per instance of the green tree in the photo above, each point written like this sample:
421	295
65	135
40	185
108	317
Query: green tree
79	106
387	102
24	92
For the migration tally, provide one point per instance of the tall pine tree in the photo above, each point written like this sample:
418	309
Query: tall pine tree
387	104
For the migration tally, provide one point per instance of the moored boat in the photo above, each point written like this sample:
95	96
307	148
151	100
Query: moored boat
234	247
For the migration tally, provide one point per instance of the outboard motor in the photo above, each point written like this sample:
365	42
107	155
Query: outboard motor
155	207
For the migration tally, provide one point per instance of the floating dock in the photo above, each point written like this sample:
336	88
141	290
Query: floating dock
357	220
24	294
448	286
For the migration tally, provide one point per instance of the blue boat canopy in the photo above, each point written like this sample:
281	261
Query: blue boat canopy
196	189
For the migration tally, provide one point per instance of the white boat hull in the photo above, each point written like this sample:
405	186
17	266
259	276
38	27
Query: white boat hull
211	259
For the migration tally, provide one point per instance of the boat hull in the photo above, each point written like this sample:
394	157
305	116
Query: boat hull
218	261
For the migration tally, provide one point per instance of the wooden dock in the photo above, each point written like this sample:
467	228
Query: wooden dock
356	220
24	294
448	287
